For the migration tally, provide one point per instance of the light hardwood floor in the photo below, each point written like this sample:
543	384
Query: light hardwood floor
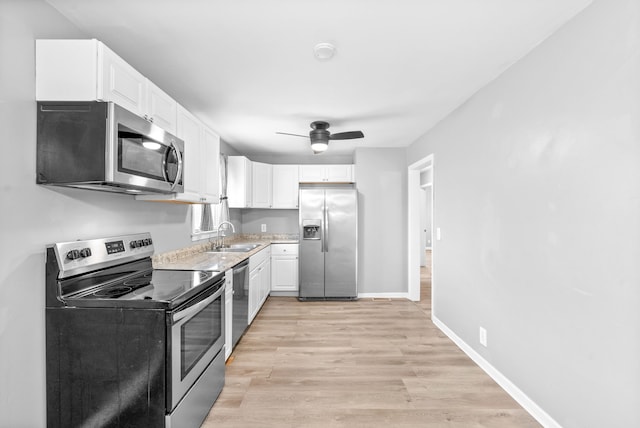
369	363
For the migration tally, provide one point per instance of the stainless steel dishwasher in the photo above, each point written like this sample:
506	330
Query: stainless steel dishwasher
240	300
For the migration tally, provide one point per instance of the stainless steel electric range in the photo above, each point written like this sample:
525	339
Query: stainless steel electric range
127	345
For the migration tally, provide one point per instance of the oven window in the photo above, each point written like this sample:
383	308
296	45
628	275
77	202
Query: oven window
199	334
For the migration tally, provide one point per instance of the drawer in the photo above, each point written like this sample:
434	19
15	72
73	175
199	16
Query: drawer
284	249
259	257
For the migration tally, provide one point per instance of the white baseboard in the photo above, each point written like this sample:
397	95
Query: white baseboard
516	393
383	295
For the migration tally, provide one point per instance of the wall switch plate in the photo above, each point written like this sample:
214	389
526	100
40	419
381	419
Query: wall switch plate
438	234
263	227
483	336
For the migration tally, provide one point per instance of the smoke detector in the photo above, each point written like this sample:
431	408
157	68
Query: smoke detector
324	51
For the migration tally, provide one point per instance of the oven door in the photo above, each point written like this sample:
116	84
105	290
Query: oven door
197	336
145	155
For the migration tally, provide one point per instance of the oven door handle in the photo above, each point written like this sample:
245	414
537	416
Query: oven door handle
194	309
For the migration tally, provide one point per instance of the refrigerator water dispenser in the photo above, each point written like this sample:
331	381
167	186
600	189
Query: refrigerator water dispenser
311	229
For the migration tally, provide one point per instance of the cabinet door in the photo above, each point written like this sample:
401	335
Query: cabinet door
285	186
189	129
284	273
228	313
119	82
239	182
210	166
66	70
254	292
311	173
339	173
261	189
161	108
265	281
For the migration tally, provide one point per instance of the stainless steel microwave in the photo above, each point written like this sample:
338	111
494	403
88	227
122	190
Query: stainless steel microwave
102	146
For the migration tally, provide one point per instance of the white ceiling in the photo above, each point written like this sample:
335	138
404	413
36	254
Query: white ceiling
247	68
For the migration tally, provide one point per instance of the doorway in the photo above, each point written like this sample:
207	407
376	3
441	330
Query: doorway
420	218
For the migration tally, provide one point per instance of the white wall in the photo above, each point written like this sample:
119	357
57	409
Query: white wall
537	187
32	216
382	223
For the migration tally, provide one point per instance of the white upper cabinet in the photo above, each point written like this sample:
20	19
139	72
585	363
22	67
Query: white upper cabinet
201	159
261	190
87	70
210	165
119	82
285	186
239	172
162	109
326	174
340	173
312	173
190	130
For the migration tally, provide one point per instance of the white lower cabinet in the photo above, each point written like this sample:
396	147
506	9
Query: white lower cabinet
284	267
228	313
259	281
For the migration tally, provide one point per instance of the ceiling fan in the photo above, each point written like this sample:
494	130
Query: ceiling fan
320	136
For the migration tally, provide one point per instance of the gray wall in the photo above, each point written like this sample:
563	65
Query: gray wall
381	176
537	186
277	221
33	216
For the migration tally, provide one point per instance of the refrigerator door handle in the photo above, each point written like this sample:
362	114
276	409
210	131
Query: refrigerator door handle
326	230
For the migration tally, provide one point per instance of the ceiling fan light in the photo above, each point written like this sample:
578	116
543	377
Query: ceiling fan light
319	146
324	51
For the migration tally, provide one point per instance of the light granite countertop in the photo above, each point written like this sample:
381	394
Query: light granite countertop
200	256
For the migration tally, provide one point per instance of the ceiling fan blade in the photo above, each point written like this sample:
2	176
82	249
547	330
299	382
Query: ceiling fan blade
346	135
295	135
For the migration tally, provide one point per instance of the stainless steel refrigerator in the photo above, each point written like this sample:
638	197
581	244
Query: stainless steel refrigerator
328	256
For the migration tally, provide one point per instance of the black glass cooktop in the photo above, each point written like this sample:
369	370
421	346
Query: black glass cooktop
158	285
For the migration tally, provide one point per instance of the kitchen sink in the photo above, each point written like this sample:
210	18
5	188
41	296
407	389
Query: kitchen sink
235	248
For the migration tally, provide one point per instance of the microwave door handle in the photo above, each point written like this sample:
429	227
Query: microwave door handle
179	173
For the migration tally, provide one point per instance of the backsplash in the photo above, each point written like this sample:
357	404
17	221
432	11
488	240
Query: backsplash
275	220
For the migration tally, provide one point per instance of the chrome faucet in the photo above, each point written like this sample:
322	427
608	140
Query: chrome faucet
233	229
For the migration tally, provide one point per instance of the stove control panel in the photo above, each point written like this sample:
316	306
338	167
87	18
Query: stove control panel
78	254
76	257
141	243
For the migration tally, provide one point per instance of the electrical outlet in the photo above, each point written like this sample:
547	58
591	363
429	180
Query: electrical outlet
263	227
483	336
